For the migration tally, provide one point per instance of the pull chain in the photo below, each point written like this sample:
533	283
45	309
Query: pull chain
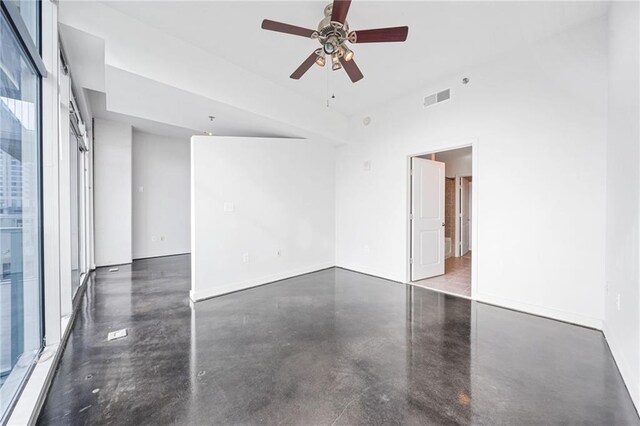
327	94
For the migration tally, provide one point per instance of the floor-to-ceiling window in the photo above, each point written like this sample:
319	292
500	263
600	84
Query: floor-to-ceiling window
75	222
77	173
21	310
75	147
82	208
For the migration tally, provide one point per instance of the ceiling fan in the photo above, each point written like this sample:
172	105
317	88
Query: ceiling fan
333	33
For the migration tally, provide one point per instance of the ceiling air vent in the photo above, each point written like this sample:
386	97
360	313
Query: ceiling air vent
437	97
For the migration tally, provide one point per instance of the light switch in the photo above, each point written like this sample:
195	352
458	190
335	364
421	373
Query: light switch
228	207
141	189
366	165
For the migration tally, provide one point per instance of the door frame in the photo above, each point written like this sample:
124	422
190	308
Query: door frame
439	147
457	229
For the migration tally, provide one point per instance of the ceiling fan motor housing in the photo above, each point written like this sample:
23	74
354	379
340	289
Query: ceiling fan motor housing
331	34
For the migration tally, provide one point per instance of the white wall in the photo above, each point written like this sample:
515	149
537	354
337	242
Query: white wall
282	191
539	243
112	194
622	326
161	204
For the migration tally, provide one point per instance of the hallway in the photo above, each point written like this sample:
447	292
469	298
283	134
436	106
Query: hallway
456	278
331	347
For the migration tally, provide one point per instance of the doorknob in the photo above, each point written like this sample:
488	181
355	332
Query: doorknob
442	223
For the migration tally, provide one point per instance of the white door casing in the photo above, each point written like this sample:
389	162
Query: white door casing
464	216
470	214
427	218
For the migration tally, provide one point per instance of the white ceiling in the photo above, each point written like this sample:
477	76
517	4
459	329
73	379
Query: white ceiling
444	37
149	105
453	155
97	101
136	96
143	103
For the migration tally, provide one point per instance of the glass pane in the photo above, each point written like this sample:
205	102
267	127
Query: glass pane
20	251
81	215
73	163
30	11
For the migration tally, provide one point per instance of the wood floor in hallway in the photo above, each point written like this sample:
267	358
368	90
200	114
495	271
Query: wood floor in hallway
456	278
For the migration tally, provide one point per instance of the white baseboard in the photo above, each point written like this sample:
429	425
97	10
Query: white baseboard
633	386
370	271
156	256
254	282
542	311
528	308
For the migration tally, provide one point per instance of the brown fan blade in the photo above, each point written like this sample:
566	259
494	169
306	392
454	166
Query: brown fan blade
352	69
286	28
304	67
379	35
339	11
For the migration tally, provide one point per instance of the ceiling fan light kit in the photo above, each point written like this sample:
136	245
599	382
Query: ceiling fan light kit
333	34
346	53
335	62
320	59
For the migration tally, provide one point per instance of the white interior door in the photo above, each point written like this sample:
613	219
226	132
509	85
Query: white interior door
465	217
427	218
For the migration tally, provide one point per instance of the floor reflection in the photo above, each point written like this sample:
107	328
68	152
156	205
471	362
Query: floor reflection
333	347
438	373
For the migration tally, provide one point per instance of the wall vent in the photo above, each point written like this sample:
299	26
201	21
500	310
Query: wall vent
437	97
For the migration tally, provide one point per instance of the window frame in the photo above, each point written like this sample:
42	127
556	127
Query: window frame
33	56
24	36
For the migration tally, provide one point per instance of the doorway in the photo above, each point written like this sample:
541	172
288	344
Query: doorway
441	220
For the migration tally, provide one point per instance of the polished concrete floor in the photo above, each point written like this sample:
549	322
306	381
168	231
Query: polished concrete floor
456	278
332	347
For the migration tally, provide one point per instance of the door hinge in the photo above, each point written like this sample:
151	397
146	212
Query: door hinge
410	216
411	261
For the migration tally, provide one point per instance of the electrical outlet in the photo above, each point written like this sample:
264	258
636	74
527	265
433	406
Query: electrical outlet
162	238
618	301
245	258
278	253
118	334
228	207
